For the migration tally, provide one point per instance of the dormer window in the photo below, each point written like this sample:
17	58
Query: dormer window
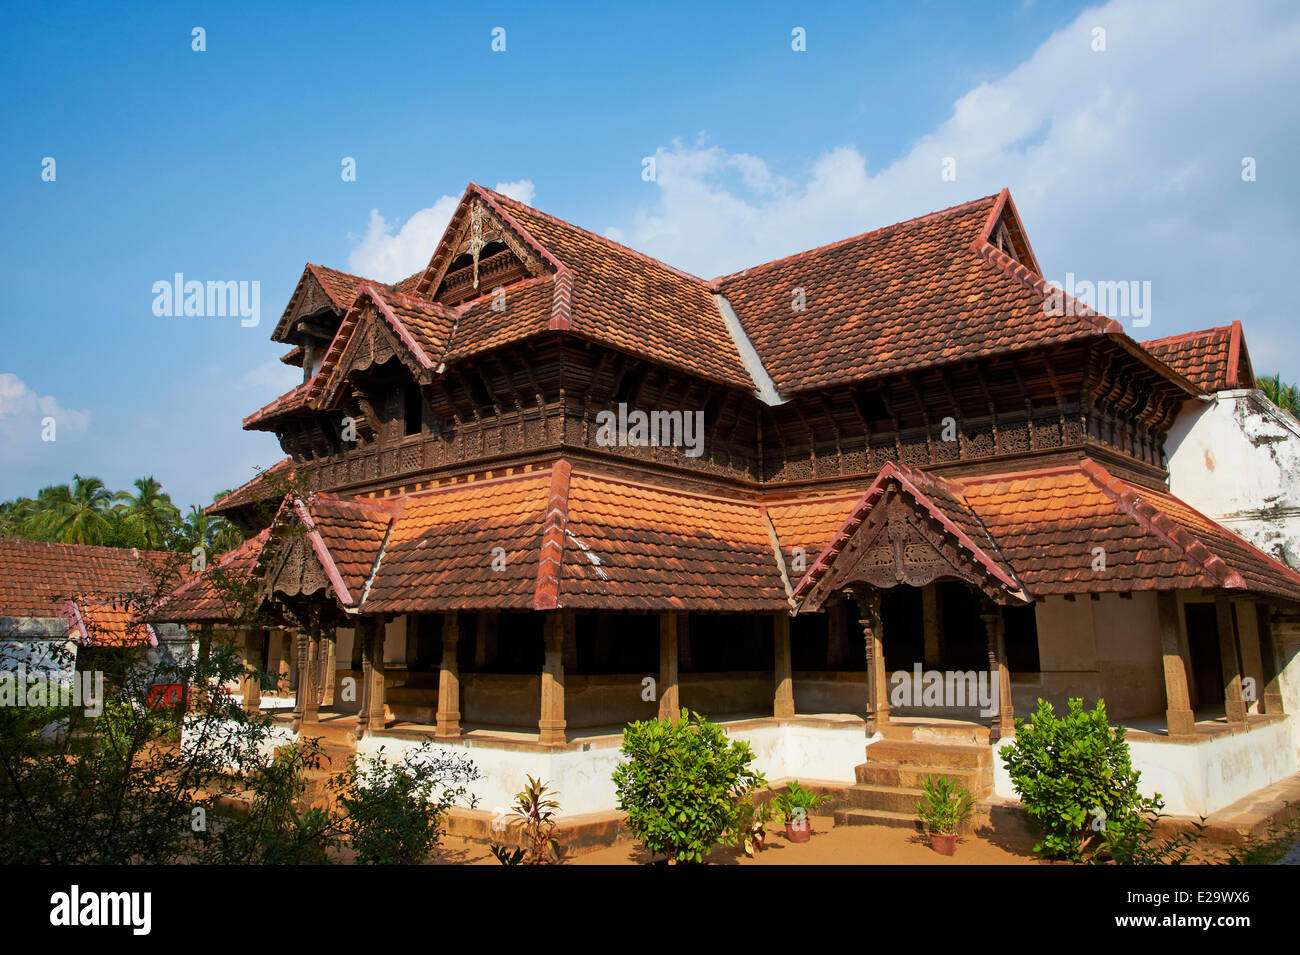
413	413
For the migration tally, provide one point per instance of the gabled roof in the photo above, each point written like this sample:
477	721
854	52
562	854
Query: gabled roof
318	287
932	496
1215	359
291	402
37	578
1081	529
106	623
211	596
260	488
927	291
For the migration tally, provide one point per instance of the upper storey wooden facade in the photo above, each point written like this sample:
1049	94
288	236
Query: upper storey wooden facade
933	343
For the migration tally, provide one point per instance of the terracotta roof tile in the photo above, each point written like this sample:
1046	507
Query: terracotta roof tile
37	578
1215	359
261	488
211	597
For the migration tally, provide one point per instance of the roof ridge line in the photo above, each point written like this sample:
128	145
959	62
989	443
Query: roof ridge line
1188	546
546	594
879	230
1186	336
601	238
1031	280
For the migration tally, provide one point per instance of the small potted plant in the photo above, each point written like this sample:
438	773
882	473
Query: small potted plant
795	806
945	807
749	831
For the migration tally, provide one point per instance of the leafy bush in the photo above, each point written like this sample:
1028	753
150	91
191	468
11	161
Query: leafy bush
681	784
945	806
394	812
1077	785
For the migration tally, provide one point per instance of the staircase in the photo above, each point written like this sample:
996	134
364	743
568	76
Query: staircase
889	782
337	744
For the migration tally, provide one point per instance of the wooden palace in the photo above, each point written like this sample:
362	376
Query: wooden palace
910	462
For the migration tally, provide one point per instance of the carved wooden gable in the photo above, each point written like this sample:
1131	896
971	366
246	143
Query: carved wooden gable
904	539
296	571
371	344
479	253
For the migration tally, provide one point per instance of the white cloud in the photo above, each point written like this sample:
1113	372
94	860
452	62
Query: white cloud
1125	165
390	254
22	412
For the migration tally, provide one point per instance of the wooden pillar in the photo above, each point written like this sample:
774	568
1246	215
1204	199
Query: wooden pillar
1252	663
1178	668
550	727
252	660
1002	723
329	667
783	696
670	706
868	601
449	679
837	633
1234	706
309	677
377	713
1272	698
365	646
932	626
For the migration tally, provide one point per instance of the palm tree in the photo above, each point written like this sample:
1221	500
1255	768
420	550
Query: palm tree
149	511
76	516
217	534
1286	397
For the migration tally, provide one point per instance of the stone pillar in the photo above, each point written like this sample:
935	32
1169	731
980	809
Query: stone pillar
378	709
1252	663
550	727
930	618
783	696
329	668
252	660
449	680
670	706
837	634
868	601
1268	653
309	678
1002	723
1178	668
1234	706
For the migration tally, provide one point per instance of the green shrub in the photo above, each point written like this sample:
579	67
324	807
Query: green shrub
796	803
1077	785
394	812
682	783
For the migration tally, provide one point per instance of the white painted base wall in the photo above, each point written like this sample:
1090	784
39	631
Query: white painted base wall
1202	778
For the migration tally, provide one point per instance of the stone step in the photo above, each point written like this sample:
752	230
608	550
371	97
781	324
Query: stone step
877	817
337	733
933	732
913	777
888	798
941	755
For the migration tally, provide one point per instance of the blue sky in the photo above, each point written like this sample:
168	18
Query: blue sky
225	165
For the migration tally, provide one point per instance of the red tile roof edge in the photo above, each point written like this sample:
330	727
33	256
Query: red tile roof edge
323	553
274	408
1004	202
717	282
259	476
1148	515
546	595
1036	283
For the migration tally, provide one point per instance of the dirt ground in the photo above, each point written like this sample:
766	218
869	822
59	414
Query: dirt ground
842	845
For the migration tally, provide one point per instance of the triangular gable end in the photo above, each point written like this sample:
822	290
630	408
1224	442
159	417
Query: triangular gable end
309	298
1005	232
304	565
900	532
482	248
370	336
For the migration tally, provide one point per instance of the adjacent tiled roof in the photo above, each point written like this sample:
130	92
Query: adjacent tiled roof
914	294
1215	359
264	418
1050	524
260	488
809	523
106	623
339	287
37	579
347	536
211	597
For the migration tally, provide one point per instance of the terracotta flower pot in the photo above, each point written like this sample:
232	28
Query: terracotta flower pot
944	843
799	831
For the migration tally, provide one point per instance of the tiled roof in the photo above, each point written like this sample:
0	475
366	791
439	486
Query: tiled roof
1050	524
1215	359
212	597
910	295
37	579
631	302
106	623
346	536
264	418
808	523
261	488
